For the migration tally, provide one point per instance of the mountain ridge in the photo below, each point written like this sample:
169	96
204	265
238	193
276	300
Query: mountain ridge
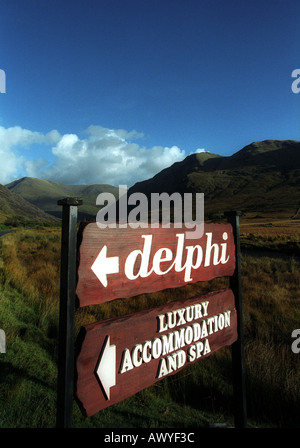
262	176
14	209
45	194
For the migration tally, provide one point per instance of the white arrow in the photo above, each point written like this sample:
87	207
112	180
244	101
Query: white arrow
106	369
104	265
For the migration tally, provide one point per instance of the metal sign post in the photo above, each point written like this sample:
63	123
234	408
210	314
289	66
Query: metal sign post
238	363
67	312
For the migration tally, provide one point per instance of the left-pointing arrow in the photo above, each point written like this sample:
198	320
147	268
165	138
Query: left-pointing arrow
104	265
106	369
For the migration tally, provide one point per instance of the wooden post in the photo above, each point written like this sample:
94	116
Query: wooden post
238	362
67	312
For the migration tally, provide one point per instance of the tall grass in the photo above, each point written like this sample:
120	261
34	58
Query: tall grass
29	284
31	264
271	312
199	394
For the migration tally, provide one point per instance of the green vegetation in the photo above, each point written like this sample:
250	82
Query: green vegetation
197	396
14	210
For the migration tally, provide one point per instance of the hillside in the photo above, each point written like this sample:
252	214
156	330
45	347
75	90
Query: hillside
45	194
261	177
13	208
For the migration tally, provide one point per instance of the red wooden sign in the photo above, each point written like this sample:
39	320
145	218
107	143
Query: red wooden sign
124	262
119	357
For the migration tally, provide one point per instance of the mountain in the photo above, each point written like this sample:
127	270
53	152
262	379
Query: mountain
45	194
262	177
13	209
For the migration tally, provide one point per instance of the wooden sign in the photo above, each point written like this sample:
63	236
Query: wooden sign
119	357
124	262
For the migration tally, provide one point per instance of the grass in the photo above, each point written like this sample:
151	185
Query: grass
198	395
271	233
271	312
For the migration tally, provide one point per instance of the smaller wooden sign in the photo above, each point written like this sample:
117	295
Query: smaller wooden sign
119	357
124	262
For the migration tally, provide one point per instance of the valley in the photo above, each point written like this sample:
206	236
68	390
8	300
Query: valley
263	181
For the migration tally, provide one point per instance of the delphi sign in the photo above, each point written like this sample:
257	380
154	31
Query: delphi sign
121	263
119	357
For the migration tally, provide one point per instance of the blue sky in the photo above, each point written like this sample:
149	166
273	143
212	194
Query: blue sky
113	91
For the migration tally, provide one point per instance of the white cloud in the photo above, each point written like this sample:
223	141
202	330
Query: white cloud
13	138
105	156
99	131
109	156
16	135
52	136
10	165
